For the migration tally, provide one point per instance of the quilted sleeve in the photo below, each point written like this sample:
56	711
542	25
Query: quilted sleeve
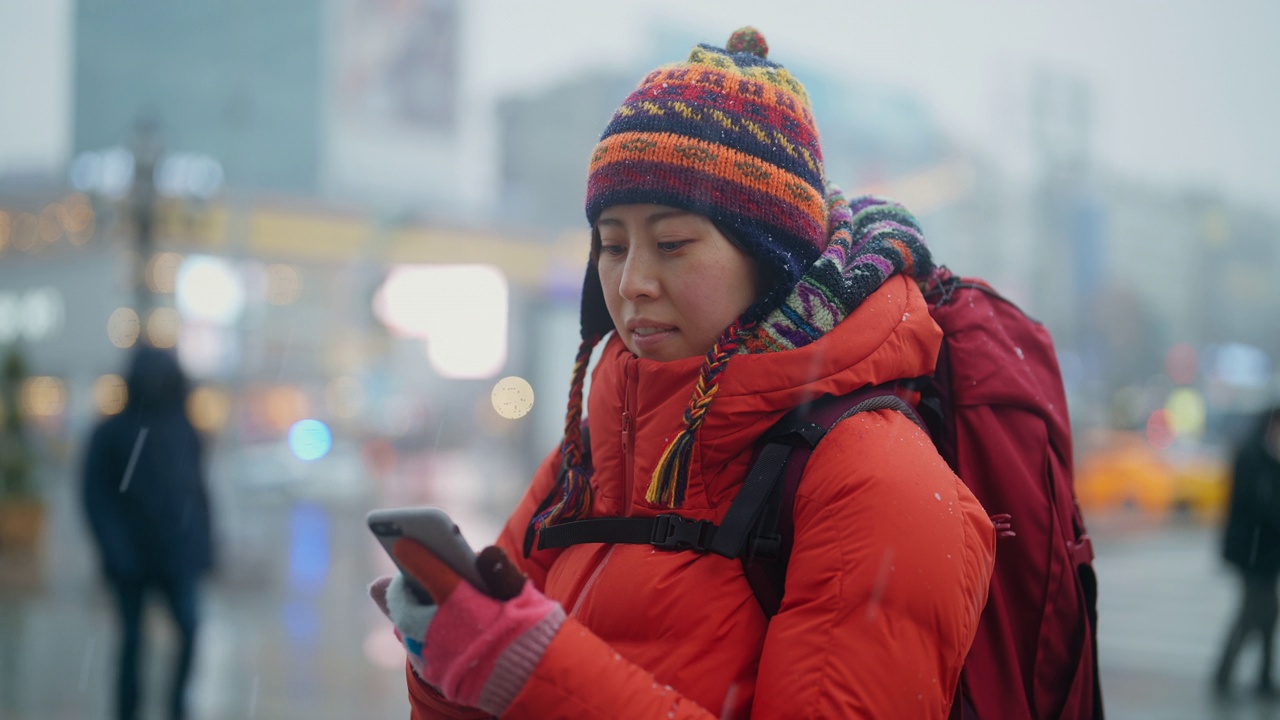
888	576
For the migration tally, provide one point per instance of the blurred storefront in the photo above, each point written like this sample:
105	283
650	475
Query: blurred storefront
336	355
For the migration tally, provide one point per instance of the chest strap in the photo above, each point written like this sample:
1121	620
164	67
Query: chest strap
669	532
751	526
673	532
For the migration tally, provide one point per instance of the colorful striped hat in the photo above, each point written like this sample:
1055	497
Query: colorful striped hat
727	134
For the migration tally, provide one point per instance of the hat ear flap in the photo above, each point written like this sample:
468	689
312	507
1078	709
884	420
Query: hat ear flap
595	318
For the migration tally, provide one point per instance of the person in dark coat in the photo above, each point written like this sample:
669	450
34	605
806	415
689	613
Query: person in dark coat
1252	546
148	510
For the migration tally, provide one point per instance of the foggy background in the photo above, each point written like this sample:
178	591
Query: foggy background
366	218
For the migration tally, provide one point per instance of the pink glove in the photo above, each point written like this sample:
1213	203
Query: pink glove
475	649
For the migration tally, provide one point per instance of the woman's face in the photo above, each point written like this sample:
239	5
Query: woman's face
671	280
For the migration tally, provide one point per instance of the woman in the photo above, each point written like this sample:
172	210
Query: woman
730	284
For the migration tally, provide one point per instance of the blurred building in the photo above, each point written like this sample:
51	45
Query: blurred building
351	99
242	82
545	142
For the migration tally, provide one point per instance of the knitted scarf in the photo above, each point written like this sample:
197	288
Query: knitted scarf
869	241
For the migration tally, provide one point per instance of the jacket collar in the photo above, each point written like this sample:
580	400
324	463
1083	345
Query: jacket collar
889	336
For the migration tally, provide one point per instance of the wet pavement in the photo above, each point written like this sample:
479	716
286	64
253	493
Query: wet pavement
1165	600
289	633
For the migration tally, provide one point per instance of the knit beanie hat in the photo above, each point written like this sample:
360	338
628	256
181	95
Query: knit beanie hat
729	134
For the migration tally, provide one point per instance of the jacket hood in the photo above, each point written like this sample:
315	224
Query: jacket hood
636	406
155	382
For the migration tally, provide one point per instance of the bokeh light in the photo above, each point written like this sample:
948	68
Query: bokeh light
5	226
32	315
25	233
162	327
1180	363
284	284
77	218
49	225
1186	412
310	439
207	351
208	288
110	394
1242	365
283	406
162	272
512	397
123	327
1159	430
43	396
461	310
379	457
208	408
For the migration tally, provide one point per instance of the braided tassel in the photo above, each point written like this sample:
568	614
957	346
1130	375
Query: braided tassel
576	486
671	477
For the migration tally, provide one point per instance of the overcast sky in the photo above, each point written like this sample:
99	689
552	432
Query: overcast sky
1186	92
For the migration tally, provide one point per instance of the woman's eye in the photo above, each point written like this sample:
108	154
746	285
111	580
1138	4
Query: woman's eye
672	245
612	249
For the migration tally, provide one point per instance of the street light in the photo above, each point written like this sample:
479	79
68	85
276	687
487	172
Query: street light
140	175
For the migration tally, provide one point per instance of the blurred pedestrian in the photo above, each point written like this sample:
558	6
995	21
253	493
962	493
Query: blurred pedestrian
722	267
1251	545
147	506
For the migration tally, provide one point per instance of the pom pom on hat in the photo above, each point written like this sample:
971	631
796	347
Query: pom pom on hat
748	39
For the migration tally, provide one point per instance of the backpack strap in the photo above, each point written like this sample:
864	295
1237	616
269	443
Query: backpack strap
765	559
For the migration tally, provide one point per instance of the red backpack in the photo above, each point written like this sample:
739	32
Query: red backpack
999	417
997	412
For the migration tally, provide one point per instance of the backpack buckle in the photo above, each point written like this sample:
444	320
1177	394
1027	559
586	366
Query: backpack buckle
1081	550
672	532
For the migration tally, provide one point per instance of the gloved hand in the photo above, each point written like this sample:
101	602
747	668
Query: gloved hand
476	649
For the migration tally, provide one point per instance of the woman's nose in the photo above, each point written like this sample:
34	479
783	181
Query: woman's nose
639	276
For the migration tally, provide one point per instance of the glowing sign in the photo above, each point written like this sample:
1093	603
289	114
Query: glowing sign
460	310
310	439
31	315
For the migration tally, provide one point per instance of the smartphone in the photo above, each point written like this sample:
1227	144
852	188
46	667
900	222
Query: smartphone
432	527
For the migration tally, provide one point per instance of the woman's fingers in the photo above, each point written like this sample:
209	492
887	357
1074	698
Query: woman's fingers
439	579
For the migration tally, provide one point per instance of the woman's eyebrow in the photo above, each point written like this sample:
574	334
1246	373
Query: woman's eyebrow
661	215
650	220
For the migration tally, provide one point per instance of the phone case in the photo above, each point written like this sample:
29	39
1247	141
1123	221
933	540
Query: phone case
432	527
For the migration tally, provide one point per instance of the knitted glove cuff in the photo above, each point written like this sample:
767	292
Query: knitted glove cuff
476	638
517	662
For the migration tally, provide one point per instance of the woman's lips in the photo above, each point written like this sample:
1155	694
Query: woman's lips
647	338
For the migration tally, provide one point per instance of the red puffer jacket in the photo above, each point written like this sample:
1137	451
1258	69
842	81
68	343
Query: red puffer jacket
888	575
